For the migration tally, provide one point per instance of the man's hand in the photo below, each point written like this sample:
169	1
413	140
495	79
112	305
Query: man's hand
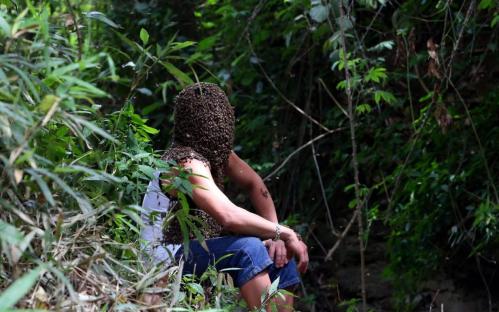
277	252
298	248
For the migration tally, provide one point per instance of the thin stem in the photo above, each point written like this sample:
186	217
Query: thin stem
323	191
298	150
310	118
358	207
77	28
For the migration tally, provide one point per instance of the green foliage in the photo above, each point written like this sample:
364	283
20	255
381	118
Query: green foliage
19	288
74	169
84	93
423	172
212	289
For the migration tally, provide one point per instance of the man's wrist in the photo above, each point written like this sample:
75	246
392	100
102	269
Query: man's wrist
287	234
278	231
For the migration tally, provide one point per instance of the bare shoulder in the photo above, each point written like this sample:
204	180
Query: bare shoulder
241	173
198	168
195	165
182	154
235	162
200	171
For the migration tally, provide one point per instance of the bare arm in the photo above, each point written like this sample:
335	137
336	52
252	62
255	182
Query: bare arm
211	199
246	178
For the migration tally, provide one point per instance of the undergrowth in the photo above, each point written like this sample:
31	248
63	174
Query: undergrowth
74	170
87	86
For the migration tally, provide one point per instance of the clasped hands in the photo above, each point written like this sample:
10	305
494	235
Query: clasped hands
281	252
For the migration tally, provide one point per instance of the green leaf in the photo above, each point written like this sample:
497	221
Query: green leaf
207	43
17	290
144	36
145	91
197	233
185	232
90	62
3	77
26	78
24	310
184	203
151	108
182	45
147	170
319	13
195	288
274	286
101	18
426	97
86	86
388	45
181	77
363	108
345	22
386	96
208	25
47	102
10	233
95	175
149	130
376	74
85	206
486	4
112	68
342	85
4	26
90	125
494	21
43	186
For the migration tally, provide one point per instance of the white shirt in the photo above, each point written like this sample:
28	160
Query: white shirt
156	202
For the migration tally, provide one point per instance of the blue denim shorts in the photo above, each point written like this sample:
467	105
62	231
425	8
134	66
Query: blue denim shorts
247	256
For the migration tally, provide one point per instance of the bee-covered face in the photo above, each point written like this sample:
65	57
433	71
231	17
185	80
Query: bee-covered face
204	121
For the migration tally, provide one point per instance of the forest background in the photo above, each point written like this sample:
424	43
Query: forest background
373	122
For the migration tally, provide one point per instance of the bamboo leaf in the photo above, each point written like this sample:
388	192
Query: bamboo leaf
86	86
101	17
82	202
181	77
90	125
95	175
17	290
47	102
43	186
10	233
4	26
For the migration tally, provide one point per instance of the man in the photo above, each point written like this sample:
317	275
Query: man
202	143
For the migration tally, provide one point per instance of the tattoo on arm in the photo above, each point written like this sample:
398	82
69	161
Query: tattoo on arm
264	192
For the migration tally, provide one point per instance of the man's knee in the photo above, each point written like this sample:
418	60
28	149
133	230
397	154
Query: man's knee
250	257
254	249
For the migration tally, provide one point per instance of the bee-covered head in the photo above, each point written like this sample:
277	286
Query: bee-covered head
204	121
